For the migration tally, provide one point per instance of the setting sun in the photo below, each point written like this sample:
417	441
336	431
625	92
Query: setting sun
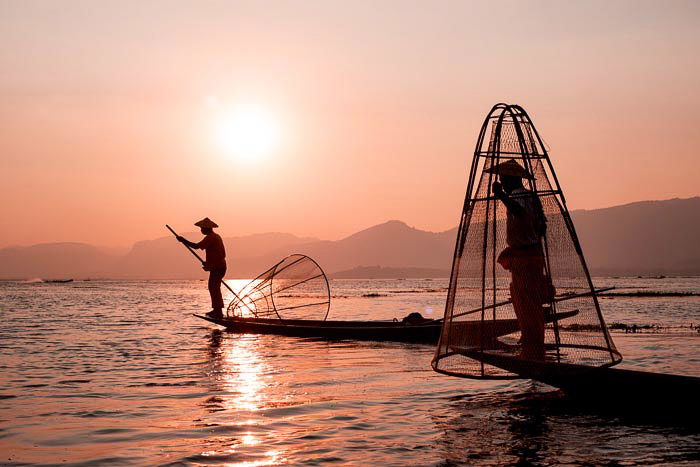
247	134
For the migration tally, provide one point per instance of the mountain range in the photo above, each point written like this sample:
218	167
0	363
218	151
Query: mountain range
642	238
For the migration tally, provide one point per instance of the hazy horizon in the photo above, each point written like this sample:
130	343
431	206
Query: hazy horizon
613	240
118	117
193	232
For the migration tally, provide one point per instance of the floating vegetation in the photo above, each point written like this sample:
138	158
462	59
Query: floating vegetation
581	327
645	328
631	328
641	293
420	290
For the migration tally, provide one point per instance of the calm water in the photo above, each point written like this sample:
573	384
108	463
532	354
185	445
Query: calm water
120	373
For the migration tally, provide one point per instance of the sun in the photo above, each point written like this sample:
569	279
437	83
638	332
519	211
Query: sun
248	134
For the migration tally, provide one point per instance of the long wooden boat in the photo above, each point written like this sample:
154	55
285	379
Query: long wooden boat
392	331
426	332
642	390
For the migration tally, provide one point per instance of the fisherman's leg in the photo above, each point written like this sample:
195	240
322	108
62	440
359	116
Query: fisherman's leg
531	323
532	270
517	292
217	301
520	306
533	332
528	309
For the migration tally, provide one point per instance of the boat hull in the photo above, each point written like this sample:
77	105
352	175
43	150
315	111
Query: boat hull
604	386
357	330
426	332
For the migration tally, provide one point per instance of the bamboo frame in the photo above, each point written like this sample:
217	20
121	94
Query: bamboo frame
531	153
263	288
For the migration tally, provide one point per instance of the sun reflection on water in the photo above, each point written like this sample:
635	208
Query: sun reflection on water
240	376
271	458
238	371
249	439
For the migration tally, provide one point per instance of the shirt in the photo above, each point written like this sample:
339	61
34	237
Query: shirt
213	245
527	228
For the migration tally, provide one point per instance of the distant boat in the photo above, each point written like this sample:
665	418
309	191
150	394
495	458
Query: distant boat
57	281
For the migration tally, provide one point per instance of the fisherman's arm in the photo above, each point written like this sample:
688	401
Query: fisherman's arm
511	205
190	244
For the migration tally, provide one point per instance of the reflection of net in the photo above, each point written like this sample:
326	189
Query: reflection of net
294	288
489	308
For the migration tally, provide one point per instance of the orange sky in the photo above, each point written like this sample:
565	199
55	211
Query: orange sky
108	112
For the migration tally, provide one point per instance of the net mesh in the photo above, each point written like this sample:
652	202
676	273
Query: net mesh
519	286
294	288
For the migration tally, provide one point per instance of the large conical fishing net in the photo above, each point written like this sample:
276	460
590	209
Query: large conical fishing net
520	288
294	288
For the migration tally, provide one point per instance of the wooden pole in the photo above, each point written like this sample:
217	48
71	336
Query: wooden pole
561	298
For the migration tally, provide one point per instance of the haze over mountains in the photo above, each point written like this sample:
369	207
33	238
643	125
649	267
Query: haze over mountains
648	237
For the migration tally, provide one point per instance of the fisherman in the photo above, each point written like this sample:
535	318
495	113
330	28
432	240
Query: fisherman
215	262
526	224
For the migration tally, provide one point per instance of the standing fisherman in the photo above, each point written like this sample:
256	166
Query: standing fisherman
526	224
215	262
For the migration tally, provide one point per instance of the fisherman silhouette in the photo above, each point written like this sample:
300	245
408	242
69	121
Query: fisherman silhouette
526	224
215	262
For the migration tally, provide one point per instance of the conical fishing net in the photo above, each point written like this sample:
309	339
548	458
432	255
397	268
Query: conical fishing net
294	288
520	288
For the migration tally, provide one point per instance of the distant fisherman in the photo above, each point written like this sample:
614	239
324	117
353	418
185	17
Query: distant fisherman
526	224
215	262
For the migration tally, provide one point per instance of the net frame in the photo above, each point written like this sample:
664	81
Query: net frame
296	287
513	136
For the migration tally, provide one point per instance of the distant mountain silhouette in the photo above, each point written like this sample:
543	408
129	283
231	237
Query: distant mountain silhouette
166	258
392	244
378	272
647	238
162	258
54	261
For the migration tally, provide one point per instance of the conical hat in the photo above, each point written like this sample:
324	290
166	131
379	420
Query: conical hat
509	168
206	223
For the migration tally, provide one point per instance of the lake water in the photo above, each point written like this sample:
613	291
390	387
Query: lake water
121	373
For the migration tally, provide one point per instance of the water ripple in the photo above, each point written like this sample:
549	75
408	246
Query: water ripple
121	374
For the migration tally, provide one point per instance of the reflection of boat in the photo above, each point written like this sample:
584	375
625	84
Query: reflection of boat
58	281
419	331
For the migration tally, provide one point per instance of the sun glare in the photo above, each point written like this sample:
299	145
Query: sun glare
248	134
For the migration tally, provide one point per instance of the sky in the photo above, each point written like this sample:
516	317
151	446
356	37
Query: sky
118	117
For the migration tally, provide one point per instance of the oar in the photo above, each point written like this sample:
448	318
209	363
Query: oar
506	302
202	261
